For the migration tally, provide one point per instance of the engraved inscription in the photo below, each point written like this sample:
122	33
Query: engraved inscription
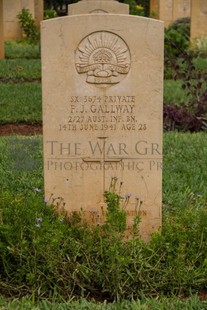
102	58
98	11
94	113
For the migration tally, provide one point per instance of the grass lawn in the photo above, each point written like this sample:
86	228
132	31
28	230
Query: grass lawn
20	103
21	49
162	303
20	69
174	94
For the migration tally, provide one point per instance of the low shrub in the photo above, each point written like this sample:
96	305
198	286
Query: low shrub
28	26
182	25
177	38
179	64
48	253
199	47
178	118
175	43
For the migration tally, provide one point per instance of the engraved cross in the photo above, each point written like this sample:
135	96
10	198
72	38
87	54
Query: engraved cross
102	160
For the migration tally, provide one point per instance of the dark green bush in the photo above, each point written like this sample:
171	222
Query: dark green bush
177	37
175	43
182	25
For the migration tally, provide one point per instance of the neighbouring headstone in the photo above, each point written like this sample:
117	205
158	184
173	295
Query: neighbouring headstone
39	11
12	8
166	11
198	18
181	8
102	78
1	31
170	10
98	6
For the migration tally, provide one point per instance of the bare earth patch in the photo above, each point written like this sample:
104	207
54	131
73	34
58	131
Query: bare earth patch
20	129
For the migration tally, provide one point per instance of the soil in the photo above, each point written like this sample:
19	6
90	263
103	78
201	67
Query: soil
19	80
20	129
203	296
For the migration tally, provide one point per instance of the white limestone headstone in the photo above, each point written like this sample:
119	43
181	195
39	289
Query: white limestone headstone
102	78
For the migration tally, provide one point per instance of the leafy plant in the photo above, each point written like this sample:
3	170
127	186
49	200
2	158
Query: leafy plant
28	26
134	8
177	37
182	25
193	115
116	215
199	46
49	14
174	42
179	64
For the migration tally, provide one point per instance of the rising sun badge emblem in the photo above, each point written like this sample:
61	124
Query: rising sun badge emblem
102	58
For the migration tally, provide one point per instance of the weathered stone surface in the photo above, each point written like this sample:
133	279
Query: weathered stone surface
97	6
166	11
38	9
181	8
199	18
102	114
170	10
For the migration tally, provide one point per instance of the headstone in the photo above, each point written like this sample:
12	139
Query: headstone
166	11
1	31
38	9
199	18
11	9
97	6
102	114
170	10
181	8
